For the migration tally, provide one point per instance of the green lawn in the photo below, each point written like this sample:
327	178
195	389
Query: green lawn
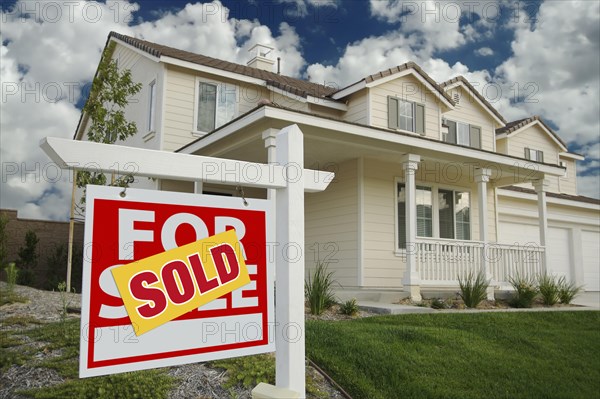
483	355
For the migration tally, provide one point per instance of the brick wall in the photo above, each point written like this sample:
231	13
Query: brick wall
50	235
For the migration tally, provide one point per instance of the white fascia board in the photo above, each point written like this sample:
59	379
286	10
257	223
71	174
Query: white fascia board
327	103
212	71
349	90
552	200
576	157
135	49
224	131
417	142
473	96
360	131
522	129
501	136
286	93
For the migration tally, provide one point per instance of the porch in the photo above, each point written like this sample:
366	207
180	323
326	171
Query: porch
355	225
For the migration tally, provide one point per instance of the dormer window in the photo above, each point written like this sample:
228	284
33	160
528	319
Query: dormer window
406	115
534	155
462	134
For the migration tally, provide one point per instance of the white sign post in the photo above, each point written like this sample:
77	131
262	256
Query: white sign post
288	177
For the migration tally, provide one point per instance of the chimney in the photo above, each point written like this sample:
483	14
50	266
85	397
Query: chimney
260	58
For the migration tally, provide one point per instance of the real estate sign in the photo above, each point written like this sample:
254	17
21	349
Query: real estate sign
168	253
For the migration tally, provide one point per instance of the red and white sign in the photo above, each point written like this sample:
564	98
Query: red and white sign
120	230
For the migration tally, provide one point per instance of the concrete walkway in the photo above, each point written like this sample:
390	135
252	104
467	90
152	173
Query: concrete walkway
585	301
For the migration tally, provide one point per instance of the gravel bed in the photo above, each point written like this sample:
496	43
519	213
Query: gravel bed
195	381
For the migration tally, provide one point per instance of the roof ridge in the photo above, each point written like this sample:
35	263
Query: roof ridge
303	86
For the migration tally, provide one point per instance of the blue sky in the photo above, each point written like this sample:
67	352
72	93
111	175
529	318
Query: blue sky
527	58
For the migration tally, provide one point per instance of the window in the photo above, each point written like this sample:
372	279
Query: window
534	155
216	106
151	105
424	213
454	214
406	115
448	210
463	134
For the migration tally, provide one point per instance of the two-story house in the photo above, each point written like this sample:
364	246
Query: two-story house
431	180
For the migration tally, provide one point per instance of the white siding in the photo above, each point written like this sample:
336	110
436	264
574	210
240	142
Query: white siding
332	226
410	89
143	71
535	138
469	111
568	185
358	108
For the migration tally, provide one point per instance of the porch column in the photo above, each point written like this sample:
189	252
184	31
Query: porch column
482	177
411	280
540	188
269	136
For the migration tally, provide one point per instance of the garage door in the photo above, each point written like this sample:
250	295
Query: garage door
558	243
590	242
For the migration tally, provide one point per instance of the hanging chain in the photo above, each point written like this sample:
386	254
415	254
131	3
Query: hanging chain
240	191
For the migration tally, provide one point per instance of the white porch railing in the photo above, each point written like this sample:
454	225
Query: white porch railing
441	261
505	261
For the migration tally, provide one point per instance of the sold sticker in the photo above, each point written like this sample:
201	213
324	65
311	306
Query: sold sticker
164	286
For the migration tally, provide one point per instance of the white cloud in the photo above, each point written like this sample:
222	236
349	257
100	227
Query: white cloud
208	30
484	51
51	49
555	66
300	8
589	185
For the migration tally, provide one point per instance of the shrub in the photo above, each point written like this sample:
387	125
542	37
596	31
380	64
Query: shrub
57	267
473	288
567	291
318	290
28	259
549	289
525	291
11	276
350	307
3	241
438	303
248	371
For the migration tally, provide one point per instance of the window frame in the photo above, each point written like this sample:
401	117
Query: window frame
151	121
539	154
435	187
456	135
217	84
416	108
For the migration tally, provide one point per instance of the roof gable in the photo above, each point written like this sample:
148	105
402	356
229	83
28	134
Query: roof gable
409	68
515	127
468	87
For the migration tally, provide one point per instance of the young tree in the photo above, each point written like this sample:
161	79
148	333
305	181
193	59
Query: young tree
105	108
